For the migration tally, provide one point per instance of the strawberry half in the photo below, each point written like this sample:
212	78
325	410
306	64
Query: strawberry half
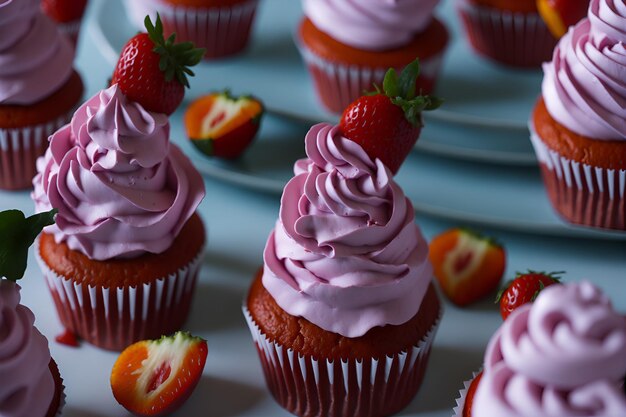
221	125
153	71
387	123
63	11
467	265
469	397
523	289
155	377
559	15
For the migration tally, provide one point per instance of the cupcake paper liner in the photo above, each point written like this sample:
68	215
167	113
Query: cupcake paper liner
114	318
54	370
338	84
516	39
460	401
582	193
222	31
309	387
19	150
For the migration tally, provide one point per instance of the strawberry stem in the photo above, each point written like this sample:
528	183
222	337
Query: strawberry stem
401	92
176	58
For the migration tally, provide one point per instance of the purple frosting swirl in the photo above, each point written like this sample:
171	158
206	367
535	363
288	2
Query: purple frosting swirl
584	86
371	24
121	188
35	59
24	359
563	356
345	253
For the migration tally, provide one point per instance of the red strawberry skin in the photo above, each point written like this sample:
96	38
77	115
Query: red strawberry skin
523	289
138	75
469	398
63	11
381	128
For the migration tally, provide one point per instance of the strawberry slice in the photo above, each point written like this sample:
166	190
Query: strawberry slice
523	289
387	123
559	15
467	265
155	377
469	397
221	125
152	71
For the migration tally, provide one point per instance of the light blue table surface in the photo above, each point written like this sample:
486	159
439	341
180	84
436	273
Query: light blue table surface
238	222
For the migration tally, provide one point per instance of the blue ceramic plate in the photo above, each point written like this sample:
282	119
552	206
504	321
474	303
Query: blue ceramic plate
484	117
466	192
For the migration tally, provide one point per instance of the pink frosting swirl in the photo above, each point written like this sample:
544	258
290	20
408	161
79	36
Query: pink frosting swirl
345	253
27	385
121	188
371	24
584	86
35	59
563	356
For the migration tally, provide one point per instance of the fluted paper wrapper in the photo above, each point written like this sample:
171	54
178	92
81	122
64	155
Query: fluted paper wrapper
581	193
19	150
114	318
516	39
460	401
222	31
338	83
310	387
58	379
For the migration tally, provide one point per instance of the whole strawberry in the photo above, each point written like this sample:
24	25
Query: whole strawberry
387	123
524	288
153	71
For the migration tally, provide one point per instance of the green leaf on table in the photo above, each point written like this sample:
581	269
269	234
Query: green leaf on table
17	234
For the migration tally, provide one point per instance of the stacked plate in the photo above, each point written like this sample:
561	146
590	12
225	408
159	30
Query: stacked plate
473	164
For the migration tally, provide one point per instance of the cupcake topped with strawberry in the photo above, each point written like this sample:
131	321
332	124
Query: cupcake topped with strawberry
346	285
563	355
126	199
120	187
345	226
25	363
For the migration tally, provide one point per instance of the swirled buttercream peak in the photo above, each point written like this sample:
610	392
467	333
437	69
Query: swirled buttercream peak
345	253
121	188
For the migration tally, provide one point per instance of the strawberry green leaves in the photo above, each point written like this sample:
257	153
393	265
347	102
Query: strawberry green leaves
401	90
18	234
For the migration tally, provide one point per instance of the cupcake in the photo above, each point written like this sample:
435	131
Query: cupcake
510	32
344	312
348	46
39	89
31	383
578	126
564	355
222	27
123	258
67	14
